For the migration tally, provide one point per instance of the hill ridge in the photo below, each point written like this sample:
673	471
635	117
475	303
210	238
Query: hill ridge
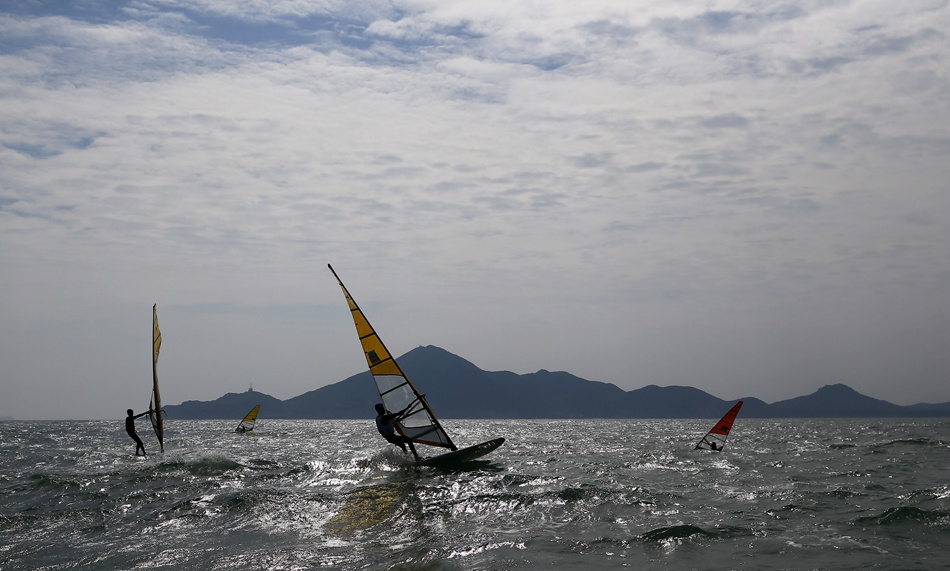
457	388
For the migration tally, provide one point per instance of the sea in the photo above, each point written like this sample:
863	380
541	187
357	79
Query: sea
559	494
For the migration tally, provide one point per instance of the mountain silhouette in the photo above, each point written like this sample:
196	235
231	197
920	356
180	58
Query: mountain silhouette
836	401
456	388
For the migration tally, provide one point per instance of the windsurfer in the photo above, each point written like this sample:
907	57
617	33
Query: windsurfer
384	424
713	446
130	428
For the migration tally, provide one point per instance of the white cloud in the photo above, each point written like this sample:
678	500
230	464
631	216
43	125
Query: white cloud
728	198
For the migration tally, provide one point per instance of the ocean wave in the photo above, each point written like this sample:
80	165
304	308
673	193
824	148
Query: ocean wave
923	441
906	515
673	533
213	501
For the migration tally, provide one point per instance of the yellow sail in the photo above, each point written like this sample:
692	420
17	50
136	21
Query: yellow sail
155	406
415	419
156	335
250	418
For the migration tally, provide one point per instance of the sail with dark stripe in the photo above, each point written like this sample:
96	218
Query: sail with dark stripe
414	420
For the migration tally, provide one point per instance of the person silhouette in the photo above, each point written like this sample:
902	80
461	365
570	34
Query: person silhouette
385	426
130	428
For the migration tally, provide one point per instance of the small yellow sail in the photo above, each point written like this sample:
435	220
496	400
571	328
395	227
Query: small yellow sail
250	419
155	406
156	335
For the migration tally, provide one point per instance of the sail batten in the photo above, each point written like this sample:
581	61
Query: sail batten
390	390
415	419
715	439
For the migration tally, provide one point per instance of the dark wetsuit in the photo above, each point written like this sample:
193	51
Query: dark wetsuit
384	424
130	428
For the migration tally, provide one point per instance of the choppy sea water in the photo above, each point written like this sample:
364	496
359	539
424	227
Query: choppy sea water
590	494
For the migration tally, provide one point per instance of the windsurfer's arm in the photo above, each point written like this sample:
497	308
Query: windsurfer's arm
393	419
142	413
402	413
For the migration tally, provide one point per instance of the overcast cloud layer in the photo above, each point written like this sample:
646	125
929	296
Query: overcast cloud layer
746	197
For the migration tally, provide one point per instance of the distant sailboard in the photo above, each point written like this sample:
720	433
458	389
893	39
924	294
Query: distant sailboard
250	419
415	419
715	439
155	405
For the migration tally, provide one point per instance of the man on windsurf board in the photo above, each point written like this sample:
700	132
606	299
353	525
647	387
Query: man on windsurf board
130	428
385	426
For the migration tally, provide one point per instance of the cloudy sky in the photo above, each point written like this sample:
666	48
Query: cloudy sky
748	197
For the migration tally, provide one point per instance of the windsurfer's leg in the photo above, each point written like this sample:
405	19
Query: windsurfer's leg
398	441
139	445
413	448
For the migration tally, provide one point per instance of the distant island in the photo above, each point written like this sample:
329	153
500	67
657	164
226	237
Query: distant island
457	388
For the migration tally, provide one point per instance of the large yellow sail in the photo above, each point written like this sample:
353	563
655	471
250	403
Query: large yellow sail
415	419
155	406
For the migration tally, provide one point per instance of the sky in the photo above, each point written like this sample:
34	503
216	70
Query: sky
748	197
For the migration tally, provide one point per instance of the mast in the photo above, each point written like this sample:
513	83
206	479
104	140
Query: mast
416	420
